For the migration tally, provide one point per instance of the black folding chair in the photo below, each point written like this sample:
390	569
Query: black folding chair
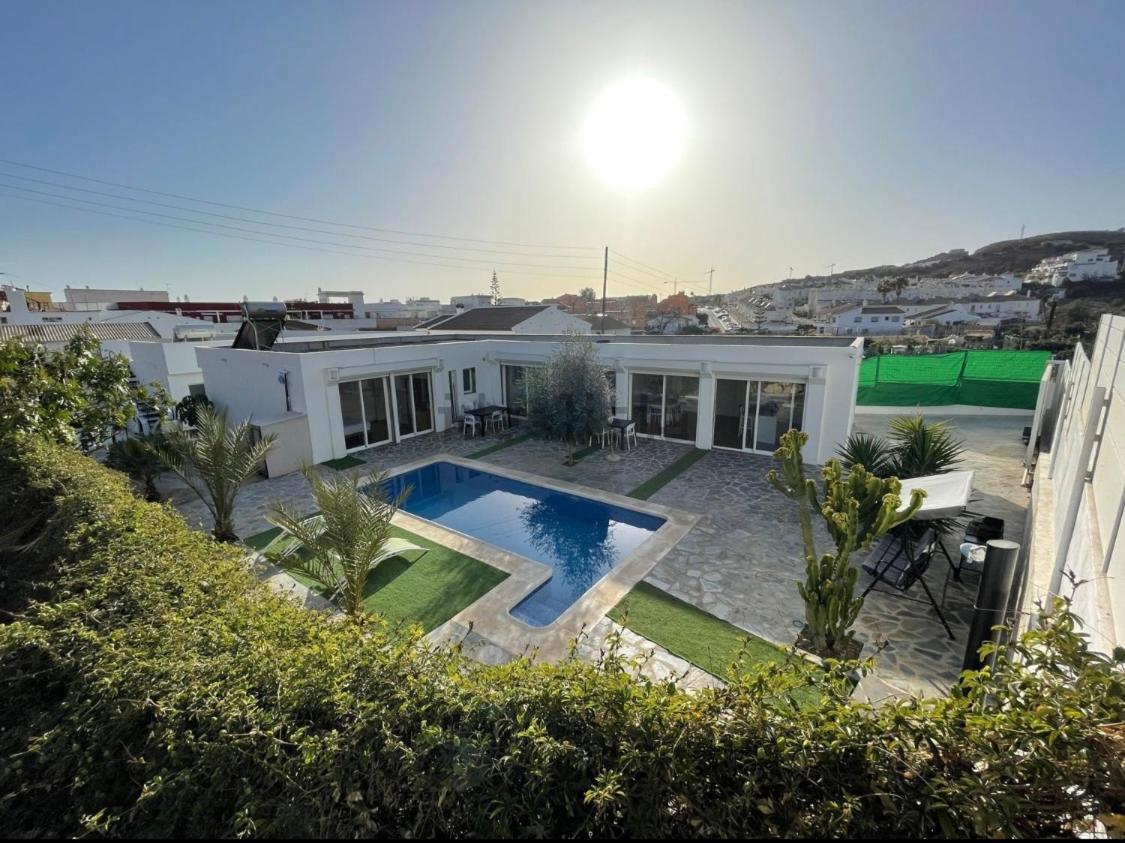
902	563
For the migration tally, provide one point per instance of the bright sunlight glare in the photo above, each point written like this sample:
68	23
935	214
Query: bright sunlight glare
635	133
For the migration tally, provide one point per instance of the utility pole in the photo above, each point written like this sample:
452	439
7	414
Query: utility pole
710	279
673	283
605	281
790	273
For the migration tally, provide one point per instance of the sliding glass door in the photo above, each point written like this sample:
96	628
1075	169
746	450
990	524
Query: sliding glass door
666	406
364	410
515	389
413	405
753	415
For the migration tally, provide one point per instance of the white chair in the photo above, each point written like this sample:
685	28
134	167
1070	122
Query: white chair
606	433
472	424
630	434
495	421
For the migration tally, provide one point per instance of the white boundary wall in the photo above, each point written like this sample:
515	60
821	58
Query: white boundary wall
1079	492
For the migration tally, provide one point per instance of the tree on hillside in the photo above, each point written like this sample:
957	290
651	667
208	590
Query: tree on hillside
568	398
76	396
893	285
494	289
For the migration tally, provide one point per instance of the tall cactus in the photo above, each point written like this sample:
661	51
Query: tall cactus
857	509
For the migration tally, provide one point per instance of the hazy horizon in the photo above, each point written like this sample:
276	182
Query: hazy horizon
792	135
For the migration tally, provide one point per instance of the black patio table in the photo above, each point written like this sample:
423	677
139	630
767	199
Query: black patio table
484	412
620	424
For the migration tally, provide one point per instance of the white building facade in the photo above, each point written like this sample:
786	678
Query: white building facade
329	397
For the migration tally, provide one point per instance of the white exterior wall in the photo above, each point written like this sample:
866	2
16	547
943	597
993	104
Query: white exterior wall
172	364
246	382
1079	501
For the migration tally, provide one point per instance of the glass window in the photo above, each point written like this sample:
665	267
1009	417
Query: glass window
681	407
515	389
402	405
423	418
375	411
647	407
352	412
468	381
730	412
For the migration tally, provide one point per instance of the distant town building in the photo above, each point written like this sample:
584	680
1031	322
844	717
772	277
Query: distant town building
1083	265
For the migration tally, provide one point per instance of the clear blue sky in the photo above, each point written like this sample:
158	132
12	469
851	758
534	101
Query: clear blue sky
820	132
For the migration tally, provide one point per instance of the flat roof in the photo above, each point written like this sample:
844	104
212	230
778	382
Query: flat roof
336	341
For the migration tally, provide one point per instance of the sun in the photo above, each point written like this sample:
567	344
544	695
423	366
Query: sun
635	133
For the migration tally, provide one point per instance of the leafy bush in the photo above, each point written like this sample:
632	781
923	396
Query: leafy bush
74	396
160	690
136	457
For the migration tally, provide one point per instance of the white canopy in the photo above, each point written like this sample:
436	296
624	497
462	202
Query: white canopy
947	495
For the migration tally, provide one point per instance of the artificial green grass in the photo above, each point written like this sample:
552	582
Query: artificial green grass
428	592
343	463
499	446
688	632
666	475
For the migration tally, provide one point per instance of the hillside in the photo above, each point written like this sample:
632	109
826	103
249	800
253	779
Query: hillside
993	259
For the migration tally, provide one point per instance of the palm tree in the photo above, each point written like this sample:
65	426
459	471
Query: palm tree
215	460
341	546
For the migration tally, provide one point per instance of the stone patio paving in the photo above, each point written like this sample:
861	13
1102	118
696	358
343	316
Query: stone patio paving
741	561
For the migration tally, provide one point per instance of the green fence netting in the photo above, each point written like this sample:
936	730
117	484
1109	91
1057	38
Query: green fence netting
980	378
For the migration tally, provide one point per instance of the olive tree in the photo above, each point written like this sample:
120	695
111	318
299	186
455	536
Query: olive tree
568	398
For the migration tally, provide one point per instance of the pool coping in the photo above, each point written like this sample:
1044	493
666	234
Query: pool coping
490	617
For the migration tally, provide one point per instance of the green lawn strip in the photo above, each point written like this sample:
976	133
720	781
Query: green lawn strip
499	446
666	475
686	631
585	452
429	591
343	463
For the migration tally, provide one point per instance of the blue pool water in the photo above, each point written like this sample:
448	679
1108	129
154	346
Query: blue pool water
581	539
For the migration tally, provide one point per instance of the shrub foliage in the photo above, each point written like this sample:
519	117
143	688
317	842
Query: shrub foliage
159	689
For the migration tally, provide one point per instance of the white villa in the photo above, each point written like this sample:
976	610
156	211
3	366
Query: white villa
329	395
1083	265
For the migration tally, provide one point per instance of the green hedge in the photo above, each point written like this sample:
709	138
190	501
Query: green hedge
158	689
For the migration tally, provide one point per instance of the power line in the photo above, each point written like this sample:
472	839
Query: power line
281	243
481	261
183	197
645	265
284	225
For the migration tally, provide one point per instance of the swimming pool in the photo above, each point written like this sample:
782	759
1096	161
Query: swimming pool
580	539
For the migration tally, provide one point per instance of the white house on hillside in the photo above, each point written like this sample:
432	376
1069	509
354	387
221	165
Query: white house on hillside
1083	265
861	320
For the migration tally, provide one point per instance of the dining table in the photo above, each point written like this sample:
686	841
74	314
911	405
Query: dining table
483	413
